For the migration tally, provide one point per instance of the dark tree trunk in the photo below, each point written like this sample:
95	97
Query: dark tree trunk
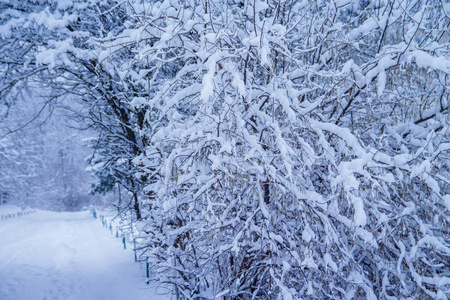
136	206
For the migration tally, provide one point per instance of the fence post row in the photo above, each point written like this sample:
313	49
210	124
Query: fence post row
16	215
105	224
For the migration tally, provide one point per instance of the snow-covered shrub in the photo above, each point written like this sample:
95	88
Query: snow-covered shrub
298	148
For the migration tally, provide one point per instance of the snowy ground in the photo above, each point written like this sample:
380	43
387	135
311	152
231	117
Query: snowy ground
66	256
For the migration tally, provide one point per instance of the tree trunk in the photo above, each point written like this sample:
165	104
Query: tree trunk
136	206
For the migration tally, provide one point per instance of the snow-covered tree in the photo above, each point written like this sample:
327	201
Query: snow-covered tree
65	60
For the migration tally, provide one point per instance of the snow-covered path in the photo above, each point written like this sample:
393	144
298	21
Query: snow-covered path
66	256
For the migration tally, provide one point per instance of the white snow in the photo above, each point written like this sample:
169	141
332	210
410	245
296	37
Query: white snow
208	82
66	256
425	60
308	234
330	262
359	216
447	201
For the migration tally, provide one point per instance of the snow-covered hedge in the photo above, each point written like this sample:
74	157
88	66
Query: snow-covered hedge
274	149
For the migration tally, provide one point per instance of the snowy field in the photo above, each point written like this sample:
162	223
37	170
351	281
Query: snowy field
66	256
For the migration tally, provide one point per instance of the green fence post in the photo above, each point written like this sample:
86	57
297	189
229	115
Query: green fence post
135	256
117	233
148	267
124	244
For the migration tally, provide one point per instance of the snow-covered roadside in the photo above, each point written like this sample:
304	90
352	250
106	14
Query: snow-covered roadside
50	255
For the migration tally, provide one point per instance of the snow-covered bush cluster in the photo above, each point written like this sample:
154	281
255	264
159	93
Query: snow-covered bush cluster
272	149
